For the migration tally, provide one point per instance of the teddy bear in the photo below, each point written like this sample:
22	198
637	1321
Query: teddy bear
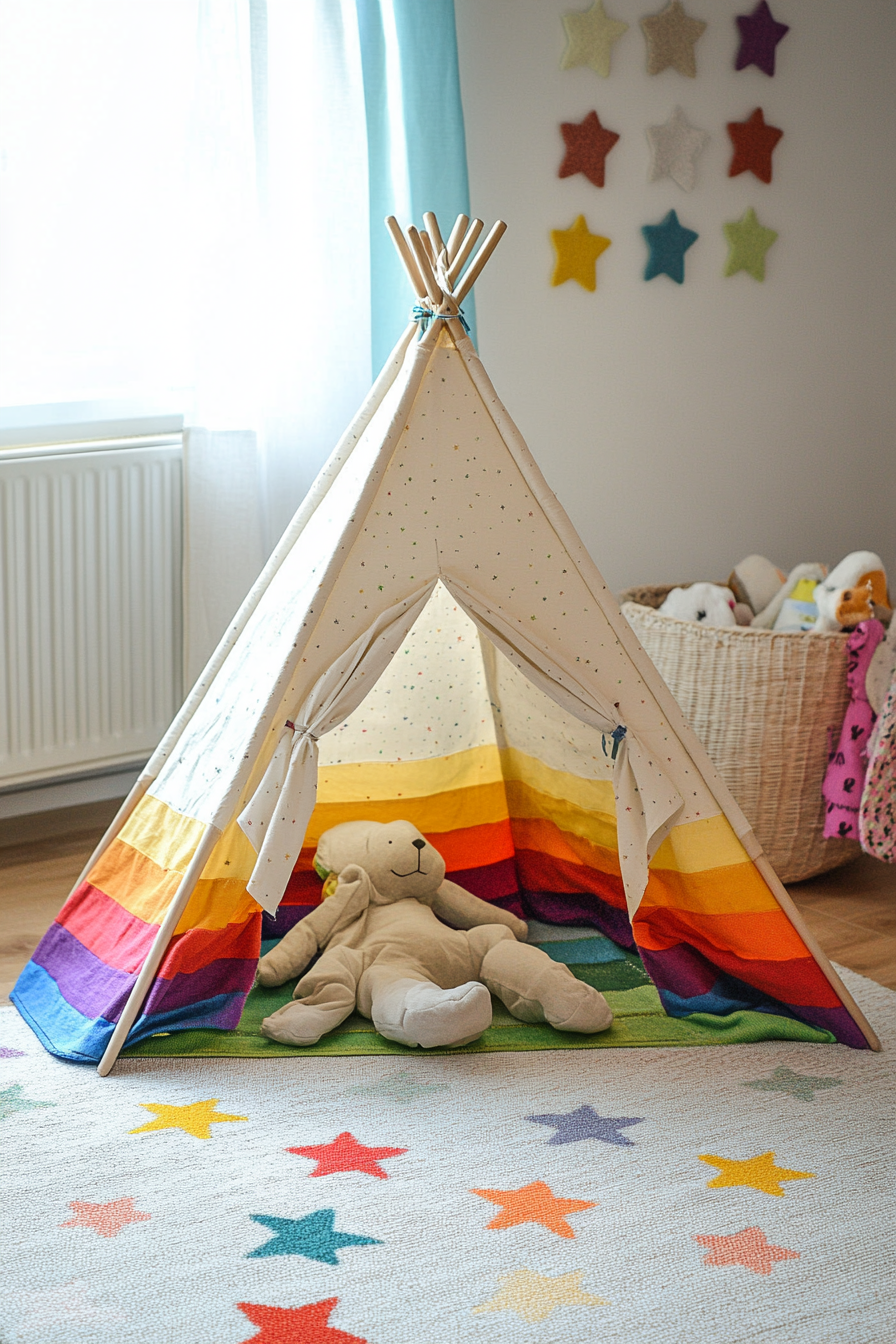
385	951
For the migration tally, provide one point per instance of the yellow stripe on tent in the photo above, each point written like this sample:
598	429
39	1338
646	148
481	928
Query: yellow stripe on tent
434	814
698	846
591	795
167	837
368	781
145	890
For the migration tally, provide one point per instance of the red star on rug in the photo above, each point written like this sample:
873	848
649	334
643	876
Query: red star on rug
296	1325
345	1153
105	1219
748	1248
534	1203
753	142
587	146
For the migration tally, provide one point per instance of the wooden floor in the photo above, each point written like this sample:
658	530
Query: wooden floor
851	911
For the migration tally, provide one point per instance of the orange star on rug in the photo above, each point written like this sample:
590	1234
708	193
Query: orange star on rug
196	1119
587	146
759	1172
753	142
748	1248
296	1325
345	1153
534	1203
105	1219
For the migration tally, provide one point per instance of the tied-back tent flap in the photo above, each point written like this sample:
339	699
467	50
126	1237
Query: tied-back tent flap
429	641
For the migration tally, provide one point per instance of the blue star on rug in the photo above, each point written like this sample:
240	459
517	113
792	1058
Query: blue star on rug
668	241
585	1123
801	1085
314	1236
12	1100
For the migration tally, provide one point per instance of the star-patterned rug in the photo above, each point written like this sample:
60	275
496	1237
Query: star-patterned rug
739	1195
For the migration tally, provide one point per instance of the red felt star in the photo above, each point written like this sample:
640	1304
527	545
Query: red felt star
749	1248
753	143
345	1153
587	146
296	1325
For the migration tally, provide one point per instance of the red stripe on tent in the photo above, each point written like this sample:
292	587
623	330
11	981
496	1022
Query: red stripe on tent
474	846
543	872
196	950
101	925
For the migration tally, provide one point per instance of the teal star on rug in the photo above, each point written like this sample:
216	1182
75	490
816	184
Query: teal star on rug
12	1100
801	1085
314	1236
585	1123
668	242
401	1087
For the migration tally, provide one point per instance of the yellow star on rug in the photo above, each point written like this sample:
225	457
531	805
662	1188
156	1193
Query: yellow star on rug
534	1296
196	1119
671	36
759	1172
590	36
577	253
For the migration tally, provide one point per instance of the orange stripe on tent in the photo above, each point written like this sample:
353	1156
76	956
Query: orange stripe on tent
474	846
436	815
736	890
545	837
766	935
145	890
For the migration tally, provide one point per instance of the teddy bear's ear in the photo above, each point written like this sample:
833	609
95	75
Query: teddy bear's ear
342	845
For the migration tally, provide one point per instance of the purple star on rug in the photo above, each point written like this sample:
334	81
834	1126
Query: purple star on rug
585	1123
7	1052
760	33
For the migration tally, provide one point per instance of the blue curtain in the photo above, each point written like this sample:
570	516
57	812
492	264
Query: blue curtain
416	146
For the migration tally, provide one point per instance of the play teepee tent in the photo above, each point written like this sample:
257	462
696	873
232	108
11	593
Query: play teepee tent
430	640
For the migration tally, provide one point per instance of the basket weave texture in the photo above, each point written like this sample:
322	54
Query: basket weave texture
765	704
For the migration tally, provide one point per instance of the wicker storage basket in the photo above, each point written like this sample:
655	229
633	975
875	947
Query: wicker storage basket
763	703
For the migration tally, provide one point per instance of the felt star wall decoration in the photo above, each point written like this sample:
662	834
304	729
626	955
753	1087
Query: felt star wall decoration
748	1248
671	37
313	1236
801	1085
577	252
534	1203
13	1099
296	1325
107	1220
668	242
760	34
587	146
196	1119
585	1123
753	143
345	1153
590	36
674	147
748	242
534	1296
758	1172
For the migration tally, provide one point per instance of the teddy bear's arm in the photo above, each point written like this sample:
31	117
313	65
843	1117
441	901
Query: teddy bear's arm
292	954
466	911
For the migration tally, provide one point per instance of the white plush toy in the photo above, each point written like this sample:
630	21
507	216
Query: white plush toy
848	594
708	603
385	952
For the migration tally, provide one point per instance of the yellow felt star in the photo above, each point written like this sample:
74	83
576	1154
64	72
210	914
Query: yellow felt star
590	36
534	1296
759	1172
671	36
748	242
196	1119
577	253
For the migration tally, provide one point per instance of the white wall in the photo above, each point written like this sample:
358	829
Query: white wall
684	427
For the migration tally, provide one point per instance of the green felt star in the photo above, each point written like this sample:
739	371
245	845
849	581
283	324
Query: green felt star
12	1100
801	1085
748	242
590	38
314	1236
402	1087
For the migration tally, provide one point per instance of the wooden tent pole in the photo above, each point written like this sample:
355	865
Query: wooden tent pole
407	256
429	249
433	288
496	233
466	248
454	238
144	980
435	233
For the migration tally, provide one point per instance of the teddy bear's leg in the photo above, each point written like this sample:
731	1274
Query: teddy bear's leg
534	987
323	998
407	1007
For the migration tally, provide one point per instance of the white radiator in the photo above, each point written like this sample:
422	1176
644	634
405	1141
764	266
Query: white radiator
90	605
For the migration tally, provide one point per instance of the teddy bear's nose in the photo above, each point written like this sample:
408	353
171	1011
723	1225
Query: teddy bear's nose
418	844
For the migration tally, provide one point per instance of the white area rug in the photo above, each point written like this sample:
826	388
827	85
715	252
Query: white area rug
675	1196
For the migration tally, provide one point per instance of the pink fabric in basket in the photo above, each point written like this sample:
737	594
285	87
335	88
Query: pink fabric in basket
844	778
877	818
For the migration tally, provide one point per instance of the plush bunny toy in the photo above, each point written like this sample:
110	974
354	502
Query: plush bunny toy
386	953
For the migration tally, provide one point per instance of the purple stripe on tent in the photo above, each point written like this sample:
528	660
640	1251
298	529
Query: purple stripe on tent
227	975
286	918
553	907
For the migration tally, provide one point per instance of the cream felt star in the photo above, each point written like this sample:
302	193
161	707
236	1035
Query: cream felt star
107	1220
748	242
758	1172
196	1119
590	36
534	1296
671	37
577	253
674	147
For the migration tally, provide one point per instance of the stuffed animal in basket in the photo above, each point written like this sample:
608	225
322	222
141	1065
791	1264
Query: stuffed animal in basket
851	591
385	952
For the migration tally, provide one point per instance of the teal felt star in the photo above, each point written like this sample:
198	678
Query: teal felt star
402	1087
668	242
748	242
801	1085
585	1123
12	1100
314	1236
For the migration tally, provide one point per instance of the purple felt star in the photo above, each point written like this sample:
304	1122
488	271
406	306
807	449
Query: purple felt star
585	1123
760	33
